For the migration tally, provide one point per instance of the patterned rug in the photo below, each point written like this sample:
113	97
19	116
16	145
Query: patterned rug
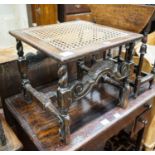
120	142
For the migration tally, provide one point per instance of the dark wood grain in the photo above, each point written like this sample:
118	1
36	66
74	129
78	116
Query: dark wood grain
76	8
131	17
68	12
81	16
39	73
44	14
87	131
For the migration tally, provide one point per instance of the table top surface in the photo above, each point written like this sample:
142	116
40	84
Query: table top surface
94	117
71	40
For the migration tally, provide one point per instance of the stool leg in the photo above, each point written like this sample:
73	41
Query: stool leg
23	69
109	54
64	101
93	60
139	70
124	92
143	50
104	55
119	54
129	52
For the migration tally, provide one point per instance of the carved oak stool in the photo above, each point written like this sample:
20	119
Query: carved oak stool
73	41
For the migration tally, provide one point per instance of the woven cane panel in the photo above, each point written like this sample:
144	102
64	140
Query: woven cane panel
73	35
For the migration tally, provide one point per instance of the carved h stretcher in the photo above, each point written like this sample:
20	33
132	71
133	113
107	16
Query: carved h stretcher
72	41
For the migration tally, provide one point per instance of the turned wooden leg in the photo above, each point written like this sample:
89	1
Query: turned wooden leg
124	92
93	60
139	70
23	69
21	60
119	54
104	55
80	63
64	101
129	52
109	54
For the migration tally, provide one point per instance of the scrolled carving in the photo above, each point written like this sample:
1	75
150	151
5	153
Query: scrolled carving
100	69
120	71
78	88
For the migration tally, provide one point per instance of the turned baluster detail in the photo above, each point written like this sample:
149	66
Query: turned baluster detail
119	54
23	69
124	92
80	63
93	60
109	54
104	55
129	52
64	101
21	59
143	50
63	76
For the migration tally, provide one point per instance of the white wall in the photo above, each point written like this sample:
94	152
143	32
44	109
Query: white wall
12	16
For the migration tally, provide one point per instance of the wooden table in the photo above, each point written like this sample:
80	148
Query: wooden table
94	119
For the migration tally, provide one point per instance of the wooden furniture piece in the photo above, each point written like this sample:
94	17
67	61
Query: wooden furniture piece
95	118
44	14
39	72
70	12
64	44
119	16
129	17
150	55
149	137
142	77
151	27
8	140
151	39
